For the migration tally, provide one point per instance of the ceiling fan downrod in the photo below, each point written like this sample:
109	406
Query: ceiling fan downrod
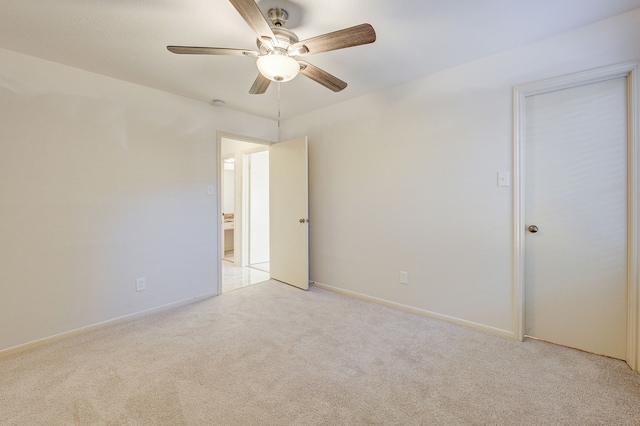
278	16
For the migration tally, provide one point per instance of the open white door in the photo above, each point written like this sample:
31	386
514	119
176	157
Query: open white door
289	212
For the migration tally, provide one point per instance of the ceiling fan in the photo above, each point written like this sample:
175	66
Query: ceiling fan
278	48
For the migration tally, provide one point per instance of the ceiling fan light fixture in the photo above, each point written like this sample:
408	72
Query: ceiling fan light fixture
277	66
278	47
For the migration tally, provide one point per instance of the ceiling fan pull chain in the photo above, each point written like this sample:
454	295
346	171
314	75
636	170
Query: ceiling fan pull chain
278	105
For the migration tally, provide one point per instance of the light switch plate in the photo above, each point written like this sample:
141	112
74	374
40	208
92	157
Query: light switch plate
210	190
504	178
141	284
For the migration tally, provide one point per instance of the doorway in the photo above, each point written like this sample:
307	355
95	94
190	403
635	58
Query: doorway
575	237
243	213
288	210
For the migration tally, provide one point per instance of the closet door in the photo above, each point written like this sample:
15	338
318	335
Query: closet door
576	217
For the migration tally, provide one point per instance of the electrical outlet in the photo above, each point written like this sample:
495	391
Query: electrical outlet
141	284
404	277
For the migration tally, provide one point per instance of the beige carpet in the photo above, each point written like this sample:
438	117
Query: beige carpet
271	354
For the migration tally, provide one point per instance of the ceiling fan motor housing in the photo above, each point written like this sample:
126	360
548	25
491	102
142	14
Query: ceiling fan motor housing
284	37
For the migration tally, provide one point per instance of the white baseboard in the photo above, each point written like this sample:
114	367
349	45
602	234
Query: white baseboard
469	324
68	334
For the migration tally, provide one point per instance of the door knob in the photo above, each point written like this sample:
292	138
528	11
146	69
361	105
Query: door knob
303	220
533	229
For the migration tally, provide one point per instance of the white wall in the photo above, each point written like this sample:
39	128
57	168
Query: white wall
405	179
102	182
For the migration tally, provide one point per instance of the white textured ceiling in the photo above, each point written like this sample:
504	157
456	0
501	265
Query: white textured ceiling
127	39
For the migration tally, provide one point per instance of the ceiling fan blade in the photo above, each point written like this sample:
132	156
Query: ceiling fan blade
319	76
251	13
348	37
193	50
260	85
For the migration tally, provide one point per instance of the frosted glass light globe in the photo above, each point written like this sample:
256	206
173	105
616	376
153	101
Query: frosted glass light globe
278	67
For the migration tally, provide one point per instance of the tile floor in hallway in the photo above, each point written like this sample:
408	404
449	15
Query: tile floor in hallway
234	277
265	266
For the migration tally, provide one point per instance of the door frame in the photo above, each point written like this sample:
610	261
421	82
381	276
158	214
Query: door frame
219	171
520	93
